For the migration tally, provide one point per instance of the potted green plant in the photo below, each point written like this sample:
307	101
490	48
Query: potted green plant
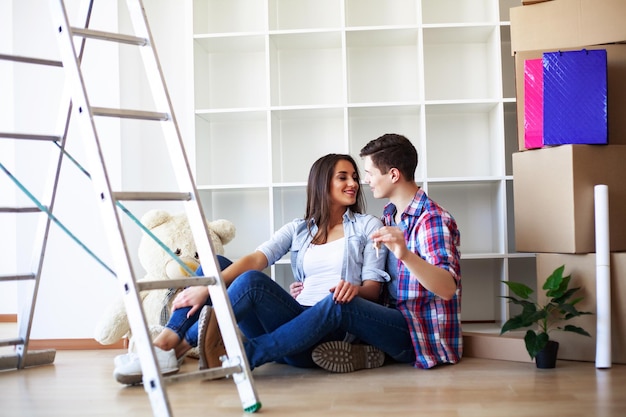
559	307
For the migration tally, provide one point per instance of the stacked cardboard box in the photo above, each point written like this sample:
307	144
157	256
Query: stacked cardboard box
554	186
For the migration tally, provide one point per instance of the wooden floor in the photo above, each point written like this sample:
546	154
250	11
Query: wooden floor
80	383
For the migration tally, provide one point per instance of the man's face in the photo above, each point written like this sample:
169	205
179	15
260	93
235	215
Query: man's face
378	182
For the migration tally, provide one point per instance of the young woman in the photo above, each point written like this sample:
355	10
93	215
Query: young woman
331	256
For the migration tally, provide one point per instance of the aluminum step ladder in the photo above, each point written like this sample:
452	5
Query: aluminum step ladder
28	282
235	363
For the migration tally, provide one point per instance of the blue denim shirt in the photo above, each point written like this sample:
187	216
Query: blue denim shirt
359	261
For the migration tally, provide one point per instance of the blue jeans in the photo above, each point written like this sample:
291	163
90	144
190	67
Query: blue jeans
369	322
260	305
187	327
261	308
279	329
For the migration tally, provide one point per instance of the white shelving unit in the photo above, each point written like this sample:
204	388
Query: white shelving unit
278	83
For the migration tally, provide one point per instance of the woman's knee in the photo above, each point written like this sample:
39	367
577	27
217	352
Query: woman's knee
250	279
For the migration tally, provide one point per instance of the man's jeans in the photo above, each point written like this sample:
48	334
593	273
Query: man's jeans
272	338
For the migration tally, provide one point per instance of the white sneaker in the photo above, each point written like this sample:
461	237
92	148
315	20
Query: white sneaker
129	373
121	360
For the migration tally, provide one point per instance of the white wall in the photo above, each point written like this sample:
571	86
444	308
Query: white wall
75	288
8	250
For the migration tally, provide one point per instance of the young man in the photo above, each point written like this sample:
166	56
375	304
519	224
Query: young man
421	323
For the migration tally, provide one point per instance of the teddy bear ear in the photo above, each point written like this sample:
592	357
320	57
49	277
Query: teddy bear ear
154	218
225	229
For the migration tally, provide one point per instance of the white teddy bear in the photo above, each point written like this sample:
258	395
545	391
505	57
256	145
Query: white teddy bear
175	233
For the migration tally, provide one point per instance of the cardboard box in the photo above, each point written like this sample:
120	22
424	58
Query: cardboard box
530	2
553	192
616	94
583	270
561	24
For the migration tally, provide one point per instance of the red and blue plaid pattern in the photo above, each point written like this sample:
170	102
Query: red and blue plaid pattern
435	323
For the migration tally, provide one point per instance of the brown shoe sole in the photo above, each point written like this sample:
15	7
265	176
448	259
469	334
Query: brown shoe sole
210	344
341	357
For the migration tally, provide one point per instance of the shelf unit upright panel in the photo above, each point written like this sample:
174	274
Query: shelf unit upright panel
281	82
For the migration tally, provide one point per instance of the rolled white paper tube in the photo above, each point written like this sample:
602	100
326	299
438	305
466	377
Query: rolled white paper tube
603	277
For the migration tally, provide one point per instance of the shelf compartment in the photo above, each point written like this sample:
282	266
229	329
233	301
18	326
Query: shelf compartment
304	14
480	280
306	69
462	63
476	207
374	206
454	11
289	204
232	148
230	72
218	16
383	66
283	274
522	270
248	209
464	140
508	63
510	217
300	137
511	144
381	13
505	7
368	123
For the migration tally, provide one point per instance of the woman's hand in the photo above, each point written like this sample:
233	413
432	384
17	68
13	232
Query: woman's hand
295	288
344	292
194	297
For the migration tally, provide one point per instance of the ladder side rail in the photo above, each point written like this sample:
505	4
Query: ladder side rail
28	290
153	380
195	213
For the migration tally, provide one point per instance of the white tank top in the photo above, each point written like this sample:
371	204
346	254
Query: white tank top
322	270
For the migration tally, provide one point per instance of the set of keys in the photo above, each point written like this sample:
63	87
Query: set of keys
377	247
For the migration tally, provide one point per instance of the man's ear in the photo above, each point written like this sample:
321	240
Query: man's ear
395	174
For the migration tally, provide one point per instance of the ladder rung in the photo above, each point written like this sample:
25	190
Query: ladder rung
30	60
29	136
212	373
109	36
176	283
130	114
151	196
21	277
20	210
12	342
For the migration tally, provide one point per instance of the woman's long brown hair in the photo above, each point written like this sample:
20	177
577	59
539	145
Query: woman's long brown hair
318	194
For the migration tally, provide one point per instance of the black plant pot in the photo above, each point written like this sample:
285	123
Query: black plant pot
546	358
